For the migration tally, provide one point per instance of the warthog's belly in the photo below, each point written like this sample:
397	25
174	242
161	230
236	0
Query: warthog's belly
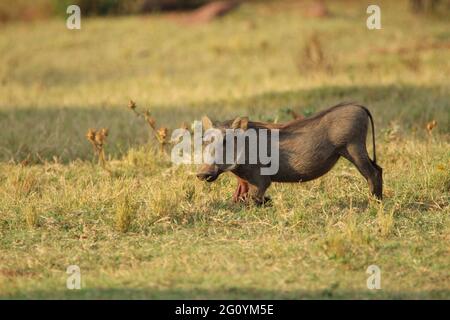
304	171
296	177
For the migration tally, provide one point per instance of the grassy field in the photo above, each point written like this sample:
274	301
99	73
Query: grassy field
148	229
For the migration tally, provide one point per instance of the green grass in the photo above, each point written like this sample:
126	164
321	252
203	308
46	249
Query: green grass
150	229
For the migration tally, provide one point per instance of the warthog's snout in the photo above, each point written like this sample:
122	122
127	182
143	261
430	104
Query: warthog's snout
208	173
208	176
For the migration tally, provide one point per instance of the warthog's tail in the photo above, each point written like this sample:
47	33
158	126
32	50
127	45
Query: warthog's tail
374	161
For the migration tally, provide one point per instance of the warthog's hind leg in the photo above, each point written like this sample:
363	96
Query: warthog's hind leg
357	154
378	189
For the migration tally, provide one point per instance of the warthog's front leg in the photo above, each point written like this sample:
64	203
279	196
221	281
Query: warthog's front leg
258	188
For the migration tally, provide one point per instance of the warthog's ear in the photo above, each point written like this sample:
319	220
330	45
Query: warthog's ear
206	123
240	123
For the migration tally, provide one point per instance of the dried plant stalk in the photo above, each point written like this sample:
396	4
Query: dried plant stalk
160	134
98	140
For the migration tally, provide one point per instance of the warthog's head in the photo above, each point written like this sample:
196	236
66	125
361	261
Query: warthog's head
220	162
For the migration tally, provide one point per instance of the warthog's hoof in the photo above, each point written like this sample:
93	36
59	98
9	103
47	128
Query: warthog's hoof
246	199
267	201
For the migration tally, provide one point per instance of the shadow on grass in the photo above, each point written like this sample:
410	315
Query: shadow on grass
42	133
226	293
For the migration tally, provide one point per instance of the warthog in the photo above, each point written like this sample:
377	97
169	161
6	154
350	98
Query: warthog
308	148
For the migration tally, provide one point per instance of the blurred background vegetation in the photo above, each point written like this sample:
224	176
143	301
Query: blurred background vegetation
39	9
